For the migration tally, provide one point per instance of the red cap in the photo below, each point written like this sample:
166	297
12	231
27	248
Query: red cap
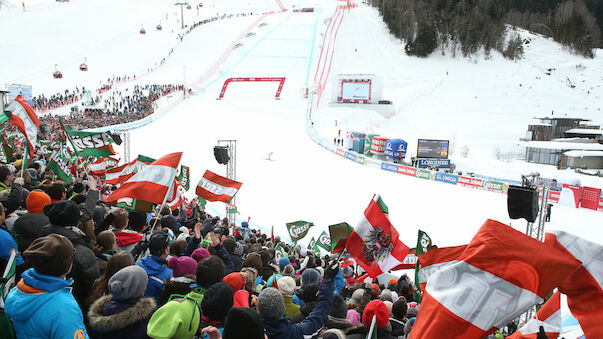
378	309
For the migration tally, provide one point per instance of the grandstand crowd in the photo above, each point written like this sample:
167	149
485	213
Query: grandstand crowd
88	270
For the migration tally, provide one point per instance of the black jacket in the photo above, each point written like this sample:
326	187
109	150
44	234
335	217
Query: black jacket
27	227
109	319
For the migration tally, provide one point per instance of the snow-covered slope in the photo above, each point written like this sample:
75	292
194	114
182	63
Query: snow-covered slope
483	104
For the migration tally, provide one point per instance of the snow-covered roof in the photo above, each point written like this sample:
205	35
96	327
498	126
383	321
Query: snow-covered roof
563	145
585	131
578	154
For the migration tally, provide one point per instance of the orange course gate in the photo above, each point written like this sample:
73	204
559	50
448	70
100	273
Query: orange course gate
229	80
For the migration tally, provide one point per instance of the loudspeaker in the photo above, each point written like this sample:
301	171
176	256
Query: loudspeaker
221	154
522	202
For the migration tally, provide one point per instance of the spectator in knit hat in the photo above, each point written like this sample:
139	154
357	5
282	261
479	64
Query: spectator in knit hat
243	323
64	216
200	254
376	310
155	264
338	317
398	318
282	262
124	313
309	277
183	276
47	310
236	281
28	226
333	334
286	285
271	307
217	300
386	295
408	327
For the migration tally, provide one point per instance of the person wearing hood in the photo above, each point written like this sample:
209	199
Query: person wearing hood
155	264
126	239
64	216
28	226
271	307
11	190
42	306
124	313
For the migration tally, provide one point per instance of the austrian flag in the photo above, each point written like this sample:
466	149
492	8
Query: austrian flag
25	119
374	242
155	183
213	187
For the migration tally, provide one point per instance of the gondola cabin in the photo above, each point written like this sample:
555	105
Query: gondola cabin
142	31
57	75
159	27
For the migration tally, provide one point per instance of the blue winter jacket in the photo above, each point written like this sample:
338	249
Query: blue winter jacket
52	313
158	272
311	326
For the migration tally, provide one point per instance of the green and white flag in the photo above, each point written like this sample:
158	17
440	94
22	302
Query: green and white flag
324	241
184	177
61	162
8	277
201	202
47	147
279	252
298	229
95	144
423	243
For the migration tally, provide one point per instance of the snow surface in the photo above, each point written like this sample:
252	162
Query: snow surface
483	104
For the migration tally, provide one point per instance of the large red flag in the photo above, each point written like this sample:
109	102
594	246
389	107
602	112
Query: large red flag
25	119
584	288
501	274
213	187
549	317
153	183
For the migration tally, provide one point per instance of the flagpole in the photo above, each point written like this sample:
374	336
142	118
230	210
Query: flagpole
372	329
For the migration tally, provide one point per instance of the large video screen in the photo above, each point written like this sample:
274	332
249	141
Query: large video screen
355	90
437	149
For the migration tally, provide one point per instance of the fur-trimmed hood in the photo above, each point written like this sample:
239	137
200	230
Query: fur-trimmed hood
140	311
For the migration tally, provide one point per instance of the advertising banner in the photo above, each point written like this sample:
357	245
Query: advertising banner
386	166
494	186
361	159
447	178
407	170
470	182
423	174
590	198
433	163
432	149
395	148
17	89
340	152
368	142
350	156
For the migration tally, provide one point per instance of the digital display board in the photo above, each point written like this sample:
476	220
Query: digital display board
435	149
356	90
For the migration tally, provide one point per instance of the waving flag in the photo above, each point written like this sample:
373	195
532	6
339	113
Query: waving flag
121	174
374	242
298	229
501	274
154	183
584	288
177	198
25	119
436	260
549	317
95	144
99	167
339	234
213	187
62	163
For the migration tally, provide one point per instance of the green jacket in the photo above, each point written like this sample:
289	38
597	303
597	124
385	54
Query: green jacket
291	309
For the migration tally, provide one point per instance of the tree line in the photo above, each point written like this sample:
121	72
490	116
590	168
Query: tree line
468	26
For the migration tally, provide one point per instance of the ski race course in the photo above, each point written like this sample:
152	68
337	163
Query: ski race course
477	103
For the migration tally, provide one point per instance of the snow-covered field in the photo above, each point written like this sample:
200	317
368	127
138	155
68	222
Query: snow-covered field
483	104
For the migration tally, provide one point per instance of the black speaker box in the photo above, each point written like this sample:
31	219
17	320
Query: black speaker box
522	202
221	154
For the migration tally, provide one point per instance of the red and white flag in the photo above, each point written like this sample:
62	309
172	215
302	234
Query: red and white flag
154	183
584	288
436	260
25	119
374	243
178	197
120	174
213	187
99	167
549	317
501	274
